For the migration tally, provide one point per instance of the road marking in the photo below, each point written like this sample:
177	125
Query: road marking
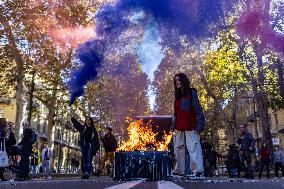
168	185
126	185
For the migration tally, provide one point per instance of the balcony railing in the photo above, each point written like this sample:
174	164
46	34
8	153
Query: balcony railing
6	100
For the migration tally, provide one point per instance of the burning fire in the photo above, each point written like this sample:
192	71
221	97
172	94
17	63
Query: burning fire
142	138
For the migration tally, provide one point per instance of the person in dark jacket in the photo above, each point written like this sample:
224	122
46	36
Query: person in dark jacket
264	159
10	139
246	143
206	152
25	147
89	143
213	161
110	146
233	161
3	132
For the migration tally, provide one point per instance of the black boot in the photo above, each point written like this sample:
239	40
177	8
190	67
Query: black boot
98	173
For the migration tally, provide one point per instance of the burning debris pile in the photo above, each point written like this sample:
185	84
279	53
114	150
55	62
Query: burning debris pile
143	138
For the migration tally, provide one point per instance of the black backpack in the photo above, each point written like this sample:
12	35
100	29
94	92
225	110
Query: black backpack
33	137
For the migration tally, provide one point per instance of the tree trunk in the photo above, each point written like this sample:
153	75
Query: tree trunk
19	98
234	117
262	100
50	118
20	75
280	80
231	135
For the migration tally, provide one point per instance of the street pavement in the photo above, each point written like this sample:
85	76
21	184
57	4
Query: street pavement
175	183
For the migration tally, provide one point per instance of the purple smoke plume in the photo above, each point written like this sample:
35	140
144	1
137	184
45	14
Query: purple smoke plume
255	22
194	19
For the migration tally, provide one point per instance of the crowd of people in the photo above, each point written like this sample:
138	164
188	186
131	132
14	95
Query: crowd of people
25	157
240	159
11	151
194	156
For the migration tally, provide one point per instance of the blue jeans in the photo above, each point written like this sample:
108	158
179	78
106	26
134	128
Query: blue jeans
233	172
46	167
87	159
34	170
187	164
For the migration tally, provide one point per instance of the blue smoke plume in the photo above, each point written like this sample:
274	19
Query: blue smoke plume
193	19
90	54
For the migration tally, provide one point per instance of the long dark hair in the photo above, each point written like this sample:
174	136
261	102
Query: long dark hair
92	121
3	124
185	86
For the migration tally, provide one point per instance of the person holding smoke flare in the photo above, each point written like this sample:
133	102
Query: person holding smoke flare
89	143
189	120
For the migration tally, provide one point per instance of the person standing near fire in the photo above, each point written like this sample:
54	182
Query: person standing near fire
89	143
188	121
110	146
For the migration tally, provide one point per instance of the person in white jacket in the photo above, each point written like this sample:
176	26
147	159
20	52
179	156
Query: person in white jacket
46	157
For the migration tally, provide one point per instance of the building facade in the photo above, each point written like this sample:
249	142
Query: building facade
65	137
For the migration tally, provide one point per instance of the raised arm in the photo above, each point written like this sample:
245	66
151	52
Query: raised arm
78	126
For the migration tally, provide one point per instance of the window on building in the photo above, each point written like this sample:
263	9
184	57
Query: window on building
1	113
247	111
269	120
58	134
276	119
259	126
44	128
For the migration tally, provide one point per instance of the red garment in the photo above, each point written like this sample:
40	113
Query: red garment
185	120
264	152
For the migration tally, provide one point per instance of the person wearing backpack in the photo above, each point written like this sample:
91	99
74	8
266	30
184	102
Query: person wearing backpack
25	147
188	123
46	156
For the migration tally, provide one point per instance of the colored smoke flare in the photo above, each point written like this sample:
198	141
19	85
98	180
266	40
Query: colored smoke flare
71	37
142	138
193	19
254	22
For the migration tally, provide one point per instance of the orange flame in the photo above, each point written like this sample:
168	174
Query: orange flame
142	138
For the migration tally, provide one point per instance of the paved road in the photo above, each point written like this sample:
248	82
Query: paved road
176	183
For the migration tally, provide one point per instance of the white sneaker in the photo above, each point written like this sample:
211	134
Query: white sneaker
199	175
217	173
191	175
